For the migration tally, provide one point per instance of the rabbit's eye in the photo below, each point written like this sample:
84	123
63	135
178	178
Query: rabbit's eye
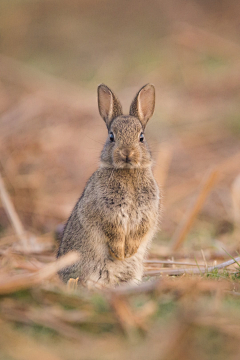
141	138
111	137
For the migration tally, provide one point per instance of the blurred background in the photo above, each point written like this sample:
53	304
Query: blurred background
54	54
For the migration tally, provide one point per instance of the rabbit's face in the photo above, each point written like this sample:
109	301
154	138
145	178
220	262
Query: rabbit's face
126	146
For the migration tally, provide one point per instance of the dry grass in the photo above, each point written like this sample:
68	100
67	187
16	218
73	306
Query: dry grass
188	306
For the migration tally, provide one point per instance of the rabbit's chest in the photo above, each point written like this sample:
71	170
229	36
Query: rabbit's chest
129	201
124	218
128	210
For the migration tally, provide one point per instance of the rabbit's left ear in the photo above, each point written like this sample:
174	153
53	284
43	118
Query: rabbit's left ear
143	104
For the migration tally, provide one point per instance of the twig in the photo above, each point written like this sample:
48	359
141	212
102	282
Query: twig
191	271
156	284
145	287
12	214
169	262
187	222
18	282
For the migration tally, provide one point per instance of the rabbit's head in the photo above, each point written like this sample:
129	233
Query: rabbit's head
126	146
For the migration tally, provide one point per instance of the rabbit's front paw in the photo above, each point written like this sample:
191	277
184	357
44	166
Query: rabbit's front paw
130	248
116	251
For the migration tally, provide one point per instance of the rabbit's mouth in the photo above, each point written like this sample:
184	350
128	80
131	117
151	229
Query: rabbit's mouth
127	165
126	158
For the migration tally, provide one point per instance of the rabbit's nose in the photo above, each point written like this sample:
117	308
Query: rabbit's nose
126	155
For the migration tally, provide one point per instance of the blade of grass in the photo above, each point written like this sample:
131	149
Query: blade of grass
232	257
197	265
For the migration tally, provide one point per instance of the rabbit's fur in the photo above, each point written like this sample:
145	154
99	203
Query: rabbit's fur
114	221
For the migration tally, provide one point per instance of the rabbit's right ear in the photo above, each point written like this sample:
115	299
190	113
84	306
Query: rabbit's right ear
108	104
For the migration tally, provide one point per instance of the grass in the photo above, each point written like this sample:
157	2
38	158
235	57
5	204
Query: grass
188	300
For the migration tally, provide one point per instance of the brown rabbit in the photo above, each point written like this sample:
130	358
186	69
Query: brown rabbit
115	219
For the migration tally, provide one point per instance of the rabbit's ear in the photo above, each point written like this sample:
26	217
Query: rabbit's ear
108	104
143	104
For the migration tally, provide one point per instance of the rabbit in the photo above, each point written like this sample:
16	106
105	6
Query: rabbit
115	219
